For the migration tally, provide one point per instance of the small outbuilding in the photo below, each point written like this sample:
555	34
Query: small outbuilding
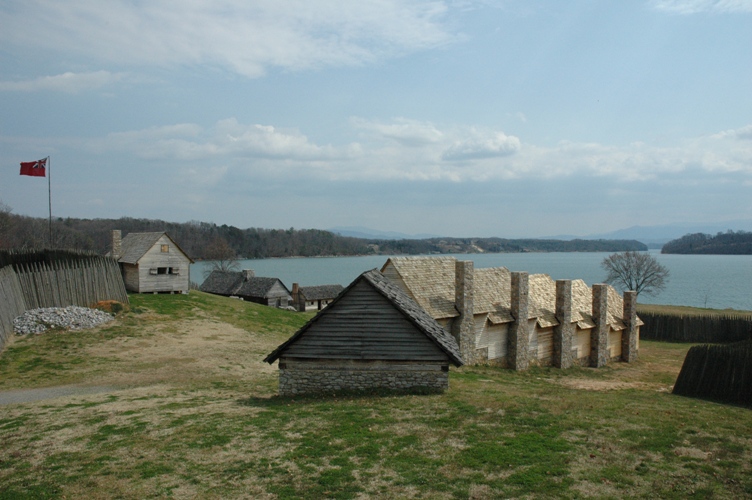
152	262
314	298
373	335
247	286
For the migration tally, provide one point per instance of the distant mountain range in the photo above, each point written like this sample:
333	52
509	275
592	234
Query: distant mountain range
658	235
653	236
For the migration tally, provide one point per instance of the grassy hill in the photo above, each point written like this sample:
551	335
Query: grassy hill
173	400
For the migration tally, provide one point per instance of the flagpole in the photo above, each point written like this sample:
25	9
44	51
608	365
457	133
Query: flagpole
49	193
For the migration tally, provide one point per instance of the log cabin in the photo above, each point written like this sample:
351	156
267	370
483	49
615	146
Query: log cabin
372	336
152	262
247	286
314	298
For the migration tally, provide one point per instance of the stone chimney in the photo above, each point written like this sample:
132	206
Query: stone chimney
629	335
519	335
462	326
564	331
599	353
248	274
296	297
117	243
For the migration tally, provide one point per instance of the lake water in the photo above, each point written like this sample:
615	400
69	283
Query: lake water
717	281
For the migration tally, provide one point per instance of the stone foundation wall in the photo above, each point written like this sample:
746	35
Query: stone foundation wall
301	377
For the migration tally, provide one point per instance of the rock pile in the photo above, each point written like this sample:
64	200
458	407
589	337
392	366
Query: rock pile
71	317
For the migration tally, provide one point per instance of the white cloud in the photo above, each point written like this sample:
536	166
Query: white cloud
458	154
227	139
266	141
687	7
244	37
404	131
479	146
65	82
744	133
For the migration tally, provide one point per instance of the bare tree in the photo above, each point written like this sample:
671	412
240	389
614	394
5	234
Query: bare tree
5	211
638	271
222	257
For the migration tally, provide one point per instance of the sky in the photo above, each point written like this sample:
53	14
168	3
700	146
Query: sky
510	118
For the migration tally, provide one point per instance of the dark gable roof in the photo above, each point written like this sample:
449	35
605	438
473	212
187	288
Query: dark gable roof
258	287
321	292
403	303
135	245
221	282
234	283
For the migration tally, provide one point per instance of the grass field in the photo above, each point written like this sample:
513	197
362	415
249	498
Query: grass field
187	409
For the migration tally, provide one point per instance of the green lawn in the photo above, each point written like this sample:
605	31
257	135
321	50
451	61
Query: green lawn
191	411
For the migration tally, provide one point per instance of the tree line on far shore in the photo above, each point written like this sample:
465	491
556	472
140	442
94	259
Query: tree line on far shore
202	240
728	243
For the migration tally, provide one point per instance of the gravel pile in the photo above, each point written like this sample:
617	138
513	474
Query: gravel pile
71	317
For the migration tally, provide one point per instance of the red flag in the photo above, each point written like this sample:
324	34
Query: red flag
34	168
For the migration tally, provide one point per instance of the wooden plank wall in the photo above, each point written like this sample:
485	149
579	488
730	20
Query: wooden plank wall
491	336
711	327
581	343
33	285
154	258
71	283
614	343
545	346
11	303
364	326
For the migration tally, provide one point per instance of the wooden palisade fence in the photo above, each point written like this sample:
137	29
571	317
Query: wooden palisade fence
32	279
11	302
718	372
695	328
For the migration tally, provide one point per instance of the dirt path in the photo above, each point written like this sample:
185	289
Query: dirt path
32	395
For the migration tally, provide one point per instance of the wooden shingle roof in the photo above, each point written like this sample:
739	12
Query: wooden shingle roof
412	311
615	309
582	305
235	283
135	245
429	281
321	292
542	296
221	282
492	289
257	287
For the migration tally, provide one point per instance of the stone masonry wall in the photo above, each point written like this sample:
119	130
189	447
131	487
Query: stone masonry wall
599	354
519	336
565	330
463	327
316	376
630	335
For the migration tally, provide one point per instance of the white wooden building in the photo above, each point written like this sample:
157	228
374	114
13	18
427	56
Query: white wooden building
152	262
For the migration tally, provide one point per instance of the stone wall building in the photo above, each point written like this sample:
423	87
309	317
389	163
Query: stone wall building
515	320
371	336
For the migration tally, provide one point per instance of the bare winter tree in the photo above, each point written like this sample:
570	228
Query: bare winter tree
638	271
5	219
222	257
